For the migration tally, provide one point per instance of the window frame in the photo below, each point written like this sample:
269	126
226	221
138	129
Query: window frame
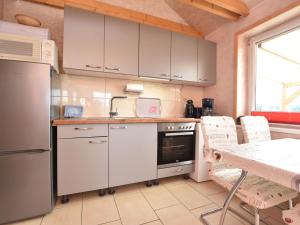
274	116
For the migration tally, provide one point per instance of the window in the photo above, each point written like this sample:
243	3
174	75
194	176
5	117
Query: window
275	70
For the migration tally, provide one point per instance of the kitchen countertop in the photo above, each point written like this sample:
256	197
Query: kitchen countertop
118	120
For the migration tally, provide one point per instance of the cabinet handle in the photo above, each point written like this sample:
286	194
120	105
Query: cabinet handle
97	142
178	170
203	79
95	67
177	76
114	68
164	75
118	127
83	128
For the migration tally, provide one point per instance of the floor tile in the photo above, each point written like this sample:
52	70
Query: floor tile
171	181
274	212
128	190
235	204
177	215
188	196
75	199
272	221
157	222
118	222
97	210
207	187
134	209
63	216
34	221
159	197
214	218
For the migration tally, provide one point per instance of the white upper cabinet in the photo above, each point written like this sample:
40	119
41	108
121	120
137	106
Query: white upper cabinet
100	45
83	40
207	57
154	52
183	57
121	46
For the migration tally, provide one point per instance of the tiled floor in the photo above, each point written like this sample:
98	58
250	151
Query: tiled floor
174	202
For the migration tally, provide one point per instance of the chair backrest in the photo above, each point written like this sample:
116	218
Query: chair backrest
218	132
255	129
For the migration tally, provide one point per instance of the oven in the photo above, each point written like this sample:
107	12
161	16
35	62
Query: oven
176	144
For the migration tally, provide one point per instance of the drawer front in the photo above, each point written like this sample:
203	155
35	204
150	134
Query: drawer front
82	165
86	130
174	171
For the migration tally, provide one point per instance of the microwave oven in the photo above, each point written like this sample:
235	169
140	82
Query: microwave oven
29	49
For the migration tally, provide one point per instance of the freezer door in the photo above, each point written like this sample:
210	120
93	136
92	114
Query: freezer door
25	188
25	106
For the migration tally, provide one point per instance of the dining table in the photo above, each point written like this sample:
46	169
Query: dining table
275	160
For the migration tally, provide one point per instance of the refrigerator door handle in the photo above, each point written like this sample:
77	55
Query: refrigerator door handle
30	151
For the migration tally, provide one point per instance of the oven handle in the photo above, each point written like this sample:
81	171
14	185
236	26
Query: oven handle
179	134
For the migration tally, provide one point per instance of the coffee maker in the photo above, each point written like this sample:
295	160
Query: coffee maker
207	106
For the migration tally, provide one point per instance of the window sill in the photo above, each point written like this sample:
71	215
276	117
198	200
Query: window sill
285	128
286	118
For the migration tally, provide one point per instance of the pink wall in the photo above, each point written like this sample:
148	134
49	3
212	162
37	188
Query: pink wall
223	91
1	9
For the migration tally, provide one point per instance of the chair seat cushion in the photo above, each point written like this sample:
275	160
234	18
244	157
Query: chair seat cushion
292	216
255	191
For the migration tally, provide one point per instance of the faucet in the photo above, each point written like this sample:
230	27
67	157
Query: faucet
111	113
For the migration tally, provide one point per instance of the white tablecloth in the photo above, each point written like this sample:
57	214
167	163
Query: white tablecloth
276	160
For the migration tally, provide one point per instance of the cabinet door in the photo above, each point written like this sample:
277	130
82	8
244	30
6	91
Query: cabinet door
82	164
207	57
154	52
132	153
121	46
183	57
83	40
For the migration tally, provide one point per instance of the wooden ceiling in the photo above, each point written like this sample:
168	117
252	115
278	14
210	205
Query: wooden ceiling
193	17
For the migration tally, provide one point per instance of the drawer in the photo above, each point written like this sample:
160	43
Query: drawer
174	171
82	165
86	130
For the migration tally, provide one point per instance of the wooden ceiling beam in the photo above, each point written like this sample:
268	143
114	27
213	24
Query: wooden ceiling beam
235	6
228	9
122	13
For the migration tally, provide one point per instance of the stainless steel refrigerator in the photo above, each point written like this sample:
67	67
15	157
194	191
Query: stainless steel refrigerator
25	143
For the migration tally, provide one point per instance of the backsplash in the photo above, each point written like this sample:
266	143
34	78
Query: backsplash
94	94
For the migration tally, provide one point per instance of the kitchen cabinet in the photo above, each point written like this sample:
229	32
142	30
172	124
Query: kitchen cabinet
98	45
82	161
83	40
132	153
121	46
154	52
184	57
207	57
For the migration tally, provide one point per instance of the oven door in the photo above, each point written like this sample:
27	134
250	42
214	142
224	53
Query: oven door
175	148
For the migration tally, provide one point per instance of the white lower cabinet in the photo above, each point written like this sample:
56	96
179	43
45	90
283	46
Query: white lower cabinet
82	164
132	153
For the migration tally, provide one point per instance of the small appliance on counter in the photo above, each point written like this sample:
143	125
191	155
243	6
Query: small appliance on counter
72	111
189	109
148	107
197	113
207	106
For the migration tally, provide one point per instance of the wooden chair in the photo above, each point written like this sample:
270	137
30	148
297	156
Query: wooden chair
259	193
